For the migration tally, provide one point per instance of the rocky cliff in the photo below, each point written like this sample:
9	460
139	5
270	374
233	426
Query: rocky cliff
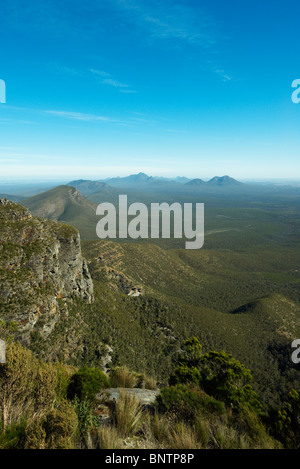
41	271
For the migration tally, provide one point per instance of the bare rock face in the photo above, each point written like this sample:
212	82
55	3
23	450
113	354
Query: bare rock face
41	270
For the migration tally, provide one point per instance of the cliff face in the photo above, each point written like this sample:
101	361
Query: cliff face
41	270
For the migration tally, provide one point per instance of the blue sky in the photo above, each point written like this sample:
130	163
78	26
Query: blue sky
112	87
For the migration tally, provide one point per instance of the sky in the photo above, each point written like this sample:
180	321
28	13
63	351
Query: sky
106	88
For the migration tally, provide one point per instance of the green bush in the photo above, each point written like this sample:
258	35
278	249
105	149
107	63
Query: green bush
57	429
186	402
217	373
61	425
226	378
86	383
286	421
35	437
18	379
64	374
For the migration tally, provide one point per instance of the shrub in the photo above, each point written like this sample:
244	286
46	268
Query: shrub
8	330
64	374
56	429
286	421
61	426
218	373
35	437
17	379
44	388
185	402
226	378
86	383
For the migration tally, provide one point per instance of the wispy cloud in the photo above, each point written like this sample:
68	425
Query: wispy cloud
171	20
130	120
214	67
106	79
223	75
177	131
179	23
127	91
63	69
114	83
94	118
78	116
15	121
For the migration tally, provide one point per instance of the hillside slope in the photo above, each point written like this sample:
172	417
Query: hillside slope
220	297
65	204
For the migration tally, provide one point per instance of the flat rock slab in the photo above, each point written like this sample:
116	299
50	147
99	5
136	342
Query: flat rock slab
145	396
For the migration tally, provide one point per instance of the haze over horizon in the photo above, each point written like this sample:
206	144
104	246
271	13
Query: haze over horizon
17	186
174	88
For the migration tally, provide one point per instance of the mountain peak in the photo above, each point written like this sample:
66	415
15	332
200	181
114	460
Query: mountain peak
66	204
223	181
139	176
195	182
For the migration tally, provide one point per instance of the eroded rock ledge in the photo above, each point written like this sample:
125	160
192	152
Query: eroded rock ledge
41	270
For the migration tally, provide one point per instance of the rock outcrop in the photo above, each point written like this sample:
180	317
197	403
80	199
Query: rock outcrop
41	270
145	397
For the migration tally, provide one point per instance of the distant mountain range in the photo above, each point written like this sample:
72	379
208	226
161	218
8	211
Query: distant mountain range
141	180
137	180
